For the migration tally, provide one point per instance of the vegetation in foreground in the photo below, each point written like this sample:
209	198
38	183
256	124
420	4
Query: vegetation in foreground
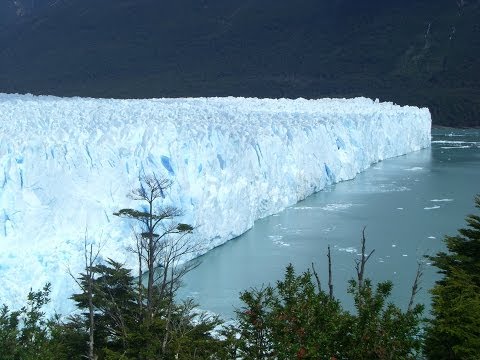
454	330
121	317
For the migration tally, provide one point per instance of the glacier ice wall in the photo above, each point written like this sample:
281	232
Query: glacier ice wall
66	164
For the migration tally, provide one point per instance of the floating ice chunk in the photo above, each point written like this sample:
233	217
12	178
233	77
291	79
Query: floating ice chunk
415	168
329	229
277	240
394	189
432	237
394	245
336	207
456	143
456	147
431	207
441	200
399	208
348	249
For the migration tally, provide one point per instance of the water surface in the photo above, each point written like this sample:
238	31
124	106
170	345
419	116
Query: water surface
407	205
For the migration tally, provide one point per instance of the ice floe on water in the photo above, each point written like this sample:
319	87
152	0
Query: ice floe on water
450	142
305	207
336	207
329	229
432	237
441	200
277	240
349	249
431	207
386	188
415	168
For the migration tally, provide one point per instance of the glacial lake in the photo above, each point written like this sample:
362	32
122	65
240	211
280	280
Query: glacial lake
407	205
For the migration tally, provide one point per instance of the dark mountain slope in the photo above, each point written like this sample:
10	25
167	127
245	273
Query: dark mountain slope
423	52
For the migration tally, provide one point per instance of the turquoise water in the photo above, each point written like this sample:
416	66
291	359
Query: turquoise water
407	205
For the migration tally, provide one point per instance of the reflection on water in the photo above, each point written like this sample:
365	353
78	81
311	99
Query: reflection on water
407	205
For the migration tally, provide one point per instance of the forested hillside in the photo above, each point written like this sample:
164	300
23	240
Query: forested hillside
423	52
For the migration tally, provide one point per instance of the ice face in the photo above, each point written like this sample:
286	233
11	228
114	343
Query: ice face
66	164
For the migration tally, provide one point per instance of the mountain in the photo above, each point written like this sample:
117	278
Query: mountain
419	52
16	11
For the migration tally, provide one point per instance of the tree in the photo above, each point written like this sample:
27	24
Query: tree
9	333
68	338
85	283
162	246
297	320
454	330
25	333
160	242
109	298
378	329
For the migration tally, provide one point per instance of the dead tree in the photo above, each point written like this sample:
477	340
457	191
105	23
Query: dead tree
415	286
360	264
162	246
86	284
330	282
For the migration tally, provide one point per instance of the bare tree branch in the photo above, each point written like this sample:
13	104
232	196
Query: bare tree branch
90	258
319	285
360	264
416	283
330	283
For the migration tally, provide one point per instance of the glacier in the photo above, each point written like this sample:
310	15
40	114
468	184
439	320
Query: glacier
66	164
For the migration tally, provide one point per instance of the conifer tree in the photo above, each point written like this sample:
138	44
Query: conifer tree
454	330
112	297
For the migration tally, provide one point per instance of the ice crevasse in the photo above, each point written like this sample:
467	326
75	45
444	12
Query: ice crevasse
66	164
